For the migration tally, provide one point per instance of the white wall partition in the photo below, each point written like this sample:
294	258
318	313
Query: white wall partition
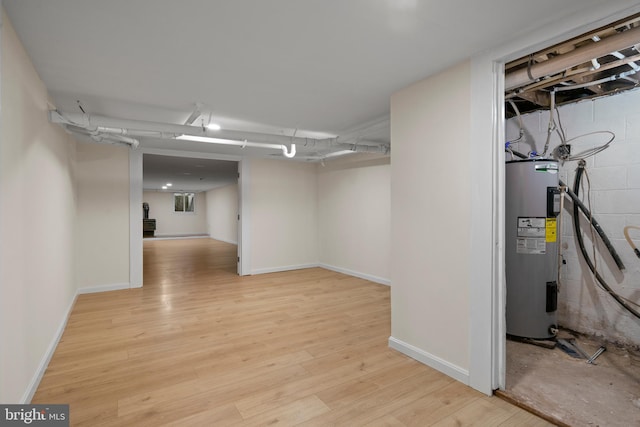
37	225
222	213
283	218
431	220
354	225
103	216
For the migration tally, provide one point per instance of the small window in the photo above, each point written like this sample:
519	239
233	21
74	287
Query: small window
184	202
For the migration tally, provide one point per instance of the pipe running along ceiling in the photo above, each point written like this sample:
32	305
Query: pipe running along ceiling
130	132
598	63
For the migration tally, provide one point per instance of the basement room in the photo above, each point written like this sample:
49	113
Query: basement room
349	213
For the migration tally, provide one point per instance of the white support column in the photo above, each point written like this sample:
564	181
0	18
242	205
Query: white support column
135	218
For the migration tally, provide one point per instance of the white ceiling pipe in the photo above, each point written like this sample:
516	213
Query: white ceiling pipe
289	153
131	141
168	130
163	130
98	137
568	60
361	149
127	142
135	127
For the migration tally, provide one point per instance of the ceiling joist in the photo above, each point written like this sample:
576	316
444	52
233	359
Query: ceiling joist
606	56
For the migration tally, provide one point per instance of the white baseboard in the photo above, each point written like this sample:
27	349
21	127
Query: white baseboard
44	363
365	276
223	240
428	359
103	288
178	237
285	268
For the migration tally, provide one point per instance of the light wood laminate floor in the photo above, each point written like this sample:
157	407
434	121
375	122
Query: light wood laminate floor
200	346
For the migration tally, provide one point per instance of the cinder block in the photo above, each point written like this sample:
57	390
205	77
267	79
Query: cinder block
633	176
634	219
617	201
574	116
612	106
618	154
608	178
532	121
633	125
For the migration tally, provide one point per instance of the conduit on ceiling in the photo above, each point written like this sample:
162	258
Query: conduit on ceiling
125	131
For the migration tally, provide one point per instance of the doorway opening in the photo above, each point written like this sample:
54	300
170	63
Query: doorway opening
571	109
186	198
219	173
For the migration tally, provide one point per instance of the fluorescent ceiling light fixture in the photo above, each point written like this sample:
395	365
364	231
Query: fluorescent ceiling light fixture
207	139
164	187
213	126
338	153
168	184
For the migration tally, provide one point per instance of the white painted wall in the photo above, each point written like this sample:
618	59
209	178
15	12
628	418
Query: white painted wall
283	217
222	213
103	215
354	224
170	223
431	221
37	231
615	199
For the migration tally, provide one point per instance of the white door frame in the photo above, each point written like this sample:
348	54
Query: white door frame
487	288
135	211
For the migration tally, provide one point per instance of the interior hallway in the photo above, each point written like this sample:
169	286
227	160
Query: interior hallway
199	345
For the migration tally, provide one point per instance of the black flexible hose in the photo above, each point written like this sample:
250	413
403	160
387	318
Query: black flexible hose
585	254
576	201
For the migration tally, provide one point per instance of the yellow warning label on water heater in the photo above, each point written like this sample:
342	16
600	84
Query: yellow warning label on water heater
551	230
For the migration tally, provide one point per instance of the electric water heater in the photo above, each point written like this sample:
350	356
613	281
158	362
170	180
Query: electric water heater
532	205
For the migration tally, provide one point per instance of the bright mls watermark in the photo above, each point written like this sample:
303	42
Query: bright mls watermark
34	415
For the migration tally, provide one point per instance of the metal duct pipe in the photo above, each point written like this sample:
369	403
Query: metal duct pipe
578	56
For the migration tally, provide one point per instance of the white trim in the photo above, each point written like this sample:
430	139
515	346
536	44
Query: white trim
44	363
364	276
223	240
428	359
104	288
244	210
285	268
487	81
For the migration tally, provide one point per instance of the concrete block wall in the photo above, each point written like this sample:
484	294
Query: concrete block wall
614	176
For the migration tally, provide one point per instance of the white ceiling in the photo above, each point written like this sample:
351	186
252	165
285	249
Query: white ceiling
315	65
316	68
187	174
